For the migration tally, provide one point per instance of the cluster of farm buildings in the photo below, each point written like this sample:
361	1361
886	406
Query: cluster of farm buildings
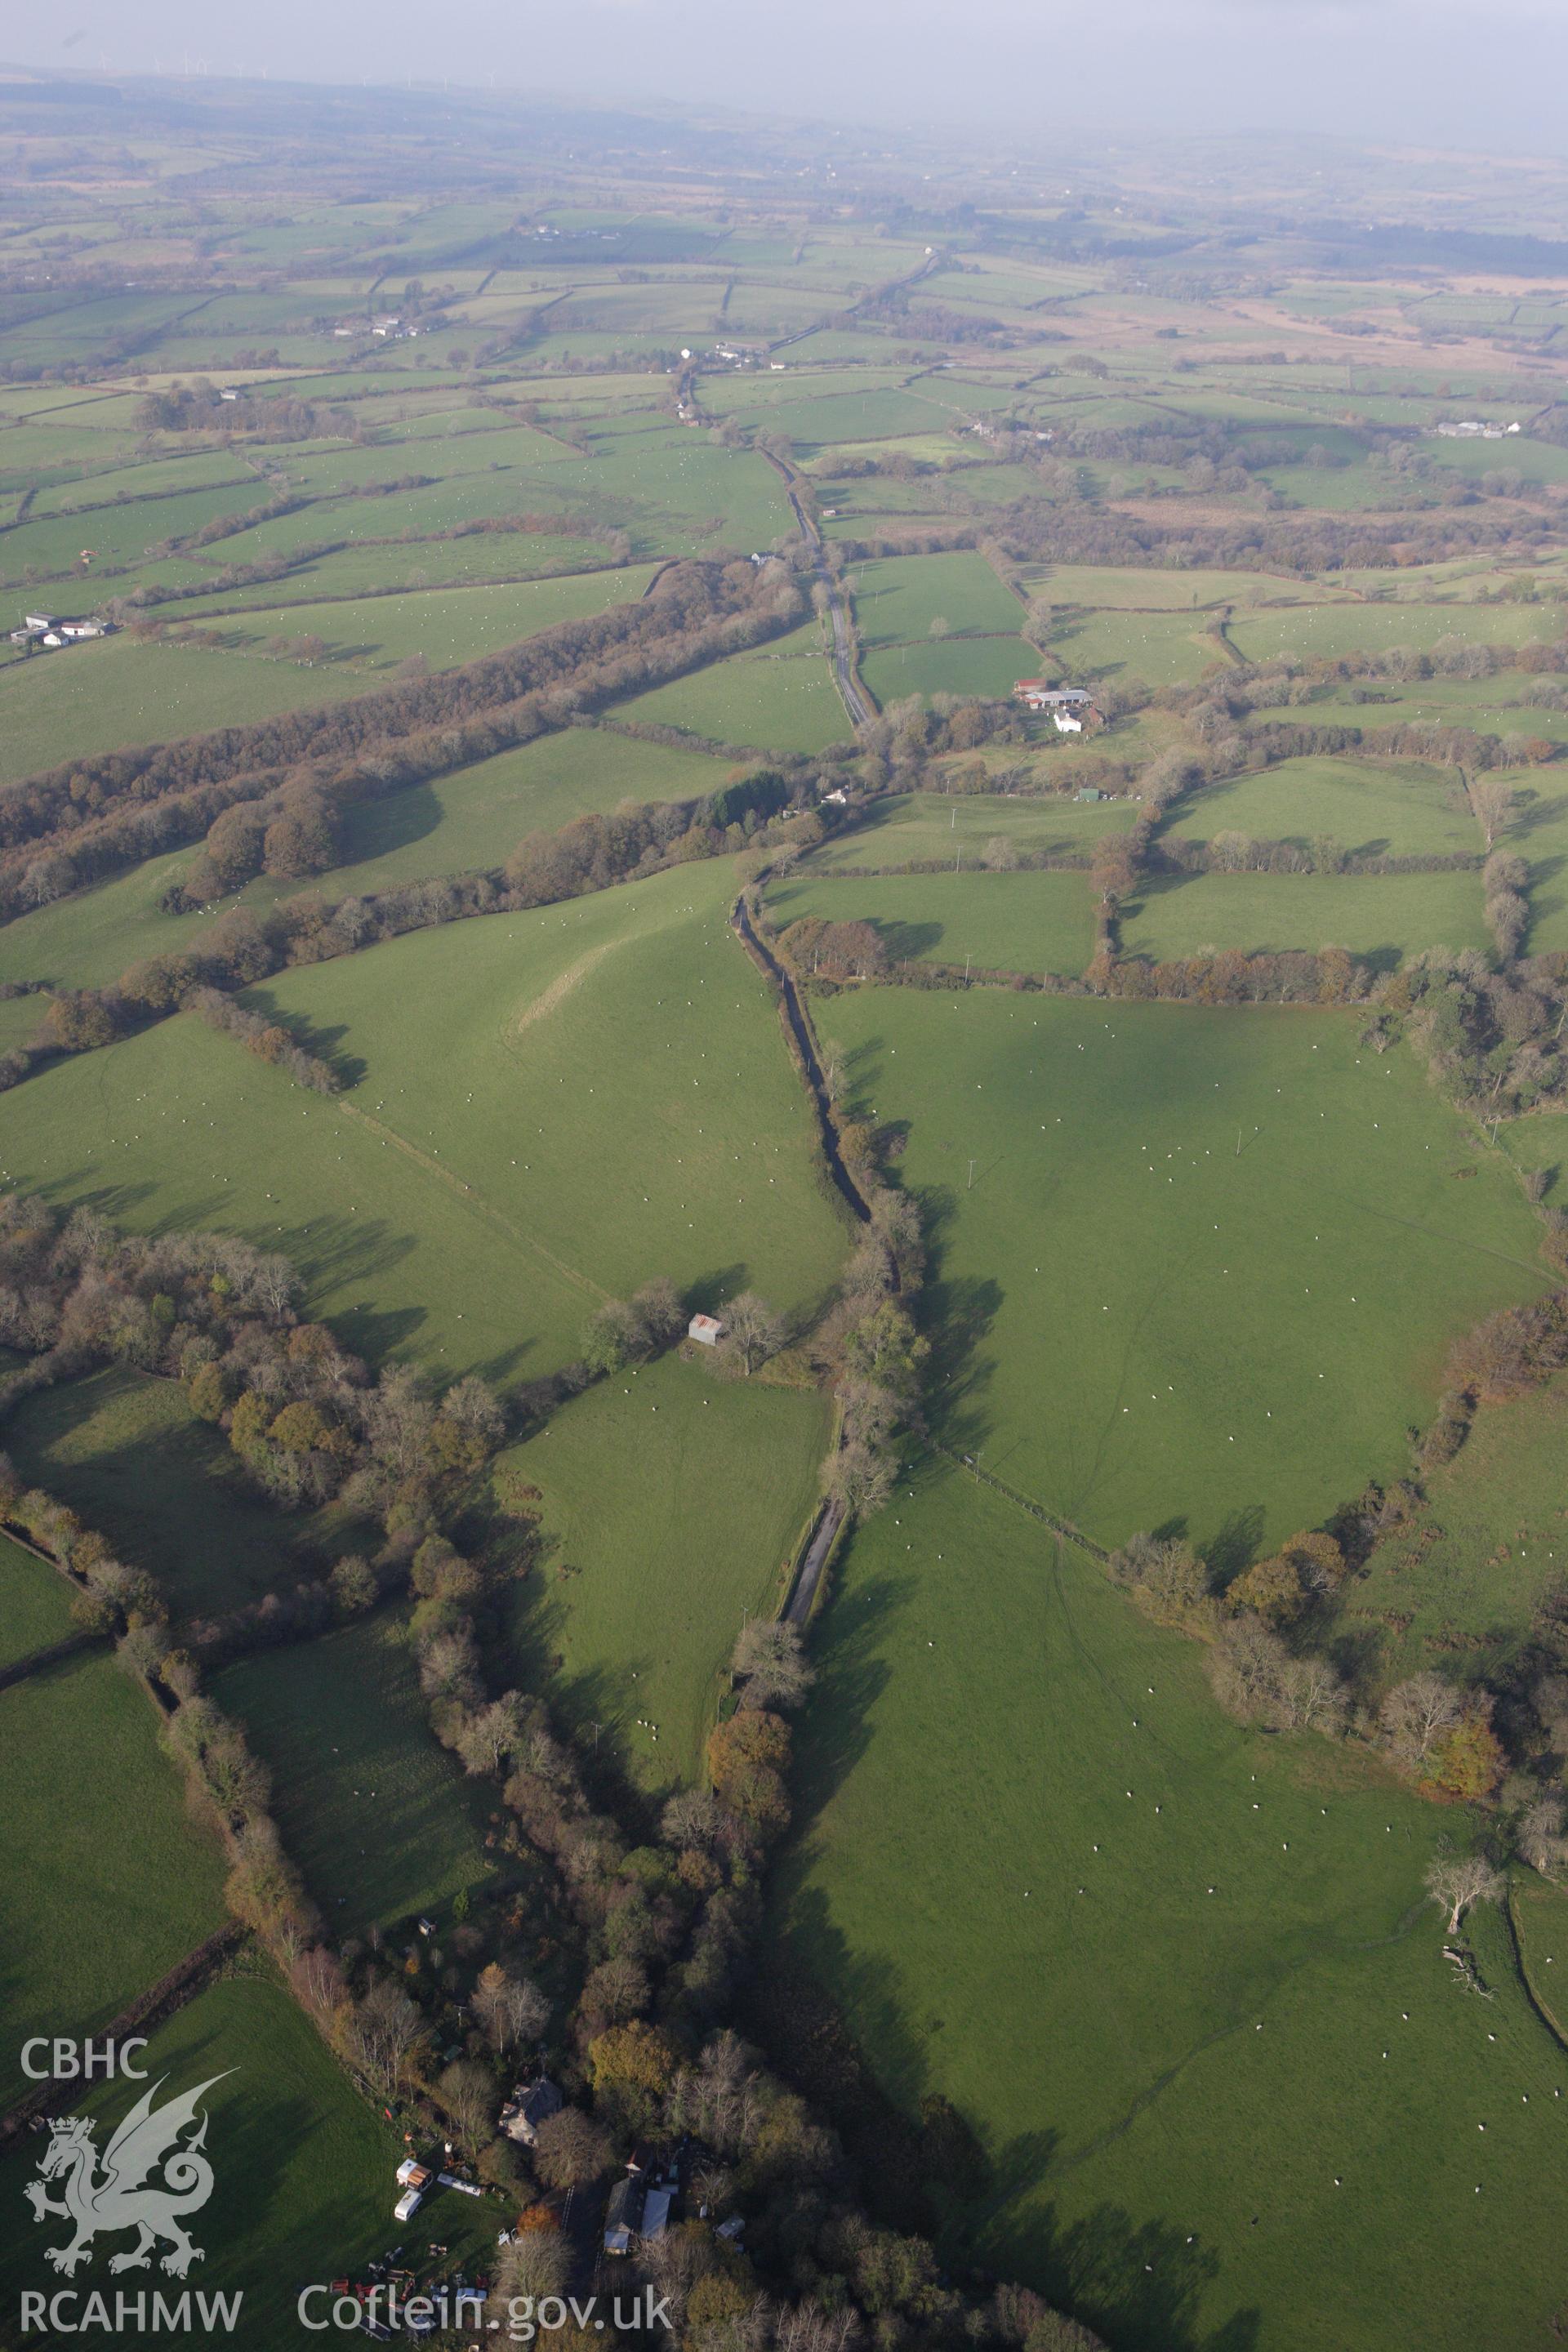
1069	706
46	631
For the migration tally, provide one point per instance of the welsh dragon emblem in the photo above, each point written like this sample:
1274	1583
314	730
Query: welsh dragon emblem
122	2195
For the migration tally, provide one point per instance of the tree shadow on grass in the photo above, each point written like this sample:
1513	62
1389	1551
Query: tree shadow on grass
323	1041
906	940
1234	1545
377	827
1136	2282
835	1732
708	1294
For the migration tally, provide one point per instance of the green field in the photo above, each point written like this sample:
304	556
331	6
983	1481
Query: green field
1385	917
988	666
672	1499
779	699
34	1604
912	827
376	1814
1454	1589
104	1880
1006	922
899	598
1161	648
132	1460
1169	1309
303	2169
1403	808
1227	2088
494	1061
102	697
447	626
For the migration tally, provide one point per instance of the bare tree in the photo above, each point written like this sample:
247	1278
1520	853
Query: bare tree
1312	1697
535	2265
1492	801
769	1656
468	2094
754	1332
1540	1840
383	2031
509	2009
1416	1714
1454	1881
571	2150
857	1478
497	1732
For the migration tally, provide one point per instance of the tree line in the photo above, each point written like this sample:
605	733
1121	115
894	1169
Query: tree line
97	815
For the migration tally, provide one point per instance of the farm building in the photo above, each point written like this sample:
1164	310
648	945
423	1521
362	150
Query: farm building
706	1329
531	2104
43	629
1065	723
1036	695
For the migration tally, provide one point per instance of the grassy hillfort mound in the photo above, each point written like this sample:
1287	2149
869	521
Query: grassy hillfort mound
545	1109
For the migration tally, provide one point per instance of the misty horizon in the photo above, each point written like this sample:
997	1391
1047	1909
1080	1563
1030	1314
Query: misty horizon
1396	74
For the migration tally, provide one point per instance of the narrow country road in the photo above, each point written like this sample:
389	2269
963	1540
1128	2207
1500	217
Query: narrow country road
857	702
803	1592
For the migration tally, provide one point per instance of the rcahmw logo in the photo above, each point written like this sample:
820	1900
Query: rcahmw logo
151	2177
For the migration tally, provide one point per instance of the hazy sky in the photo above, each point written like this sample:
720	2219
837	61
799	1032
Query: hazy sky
1488	75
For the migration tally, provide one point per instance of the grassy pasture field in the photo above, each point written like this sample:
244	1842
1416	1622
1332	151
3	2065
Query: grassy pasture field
377	1815
991	667
98	698
1152	1308
1403	807
104	1880
1328	630
350	572
780	699
1181	1979
34	1604
897	598
1540	834
1161	648
678	494
1142	588
448	626
303	2167
129	1456
673	1498
910	826
1385	916
1456	1585
1007	922
443	1187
